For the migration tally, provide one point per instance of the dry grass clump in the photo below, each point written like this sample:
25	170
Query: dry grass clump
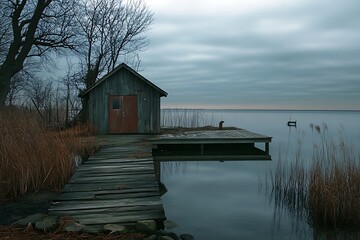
33	157
325	190
83	130
80	139
334	185
187	118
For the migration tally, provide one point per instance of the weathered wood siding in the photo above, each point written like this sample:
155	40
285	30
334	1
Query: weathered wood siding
124	83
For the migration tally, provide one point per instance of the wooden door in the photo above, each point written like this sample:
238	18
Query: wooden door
123	116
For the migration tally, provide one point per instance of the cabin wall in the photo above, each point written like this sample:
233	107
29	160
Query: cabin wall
125	83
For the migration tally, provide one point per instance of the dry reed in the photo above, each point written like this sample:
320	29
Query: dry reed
326	190
334	186
186	118
33	157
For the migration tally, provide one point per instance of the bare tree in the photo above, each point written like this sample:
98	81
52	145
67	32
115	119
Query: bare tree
111	29
39	91
17	84
69	80
41	94
31	29
134	61
20	81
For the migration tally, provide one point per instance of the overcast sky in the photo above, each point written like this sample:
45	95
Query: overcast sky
292	54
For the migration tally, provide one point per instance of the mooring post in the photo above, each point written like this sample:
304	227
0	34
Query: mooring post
221	125
267	148
157	167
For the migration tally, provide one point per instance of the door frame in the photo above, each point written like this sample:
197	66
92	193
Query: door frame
127	116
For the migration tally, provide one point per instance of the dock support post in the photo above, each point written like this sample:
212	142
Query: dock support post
157	168
267	148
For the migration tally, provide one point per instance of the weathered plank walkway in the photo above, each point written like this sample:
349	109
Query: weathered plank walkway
117	185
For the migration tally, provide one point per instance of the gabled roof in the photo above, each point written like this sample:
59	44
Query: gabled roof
118	68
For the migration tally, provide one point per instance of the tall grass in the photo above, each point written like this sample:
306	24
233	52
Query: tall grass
325	189
186	118
33	157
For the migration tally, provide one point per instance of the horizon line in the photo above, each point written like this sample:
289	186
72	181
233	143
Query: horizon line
260	109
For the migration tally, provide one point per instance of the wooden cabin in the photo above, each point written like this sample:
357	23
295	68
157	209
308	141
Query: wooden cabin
123	101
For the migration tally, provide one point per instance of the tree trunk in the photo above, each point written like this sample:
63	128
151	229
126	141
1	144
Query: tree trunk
67	106
84	113
5	78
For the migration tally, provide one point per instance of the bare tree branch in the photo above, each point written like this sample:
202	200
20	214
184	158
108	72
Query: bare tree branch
31	28
112	29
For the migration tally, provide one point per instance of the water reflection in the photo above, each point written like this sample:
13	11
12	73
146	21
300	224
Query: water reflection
211	196
214	200
173	167
168	168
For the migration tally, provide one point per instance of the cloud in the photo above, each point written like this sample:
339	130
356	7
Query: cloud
256	53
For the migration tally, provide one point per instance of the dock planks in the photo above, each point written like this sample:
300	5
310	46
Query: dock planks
211	136
117	185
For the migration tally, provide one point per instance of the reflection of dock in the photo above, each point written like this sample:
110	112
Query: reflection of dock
236	144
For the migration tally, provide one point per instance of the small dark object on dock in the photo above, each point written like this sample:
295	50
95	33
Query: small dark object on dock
291	123
221	125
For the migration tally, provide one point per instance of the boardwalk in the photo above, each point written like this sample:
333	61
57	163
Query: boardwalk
117	185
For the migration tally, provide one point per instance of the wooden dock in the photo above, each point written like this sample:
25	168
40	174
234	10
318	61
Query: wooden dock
117	185
237	144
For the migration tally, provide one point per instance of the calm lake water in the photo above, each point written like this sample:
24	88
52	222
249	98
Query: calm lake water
228	200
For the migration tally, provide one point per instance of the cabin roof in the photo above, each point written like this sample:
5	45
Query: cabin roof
118	68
